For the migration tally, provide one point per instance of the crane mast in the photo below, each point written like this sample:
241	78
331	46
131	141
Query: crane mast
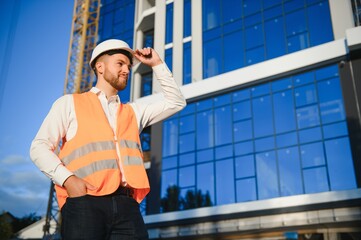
79	78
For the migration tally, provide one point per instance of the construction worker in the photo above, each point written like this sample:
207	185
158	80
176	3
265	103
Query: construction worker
99	174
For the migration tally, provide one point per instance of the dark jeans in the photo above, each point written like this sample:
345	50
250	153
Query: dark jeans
100	218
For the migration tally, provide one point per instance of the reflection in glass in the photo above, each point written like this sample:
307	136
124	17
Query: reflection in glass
340	164
283	103
205	178
170	137
267	175
315	180
290	171
204	130
262	116
312	155
246	190
308	116
225	182
245	166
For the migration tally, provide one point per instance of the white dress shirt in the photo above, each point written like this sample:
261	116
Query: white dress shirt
61	122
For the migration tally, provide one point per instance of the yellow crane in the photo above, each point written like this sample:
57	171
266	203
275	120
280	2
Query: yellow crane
79	78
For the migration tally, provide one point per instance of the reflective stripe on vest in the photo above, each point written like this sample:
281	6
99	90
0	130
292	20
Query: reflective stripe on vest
96	166
105	145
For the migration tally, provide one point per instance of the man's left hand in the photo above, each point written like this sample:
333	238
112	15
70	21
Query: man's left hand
148	56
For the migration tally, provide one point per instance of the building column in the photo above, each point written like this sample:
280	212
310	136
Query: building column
197	49
341	17
159	35
178	7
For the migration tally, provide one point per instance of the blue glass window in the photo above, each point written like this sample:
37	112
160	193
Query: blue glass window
187	16
246	190
315	180
243	130
331	104
231	10
169	24
233	53
169	58
290	171
251	6
186	176
275	37
205	155
254	55
241	95
187	63
310	135
242	110
260	90
335	130
308	117
225	182
281	84
170	137
170	162
243	148
206	179
315	13
147	84
222	125
169	178
297	42
211	14
283	102
212	52
224	152
312	155
245	166
305	95
296	22
286	140
303	79
263	144
262	116
187	159
267	175
205	130
340	164
254	36
187	124
186	142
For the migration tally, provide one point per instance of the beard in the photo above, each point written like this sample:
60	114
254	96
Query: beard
117	82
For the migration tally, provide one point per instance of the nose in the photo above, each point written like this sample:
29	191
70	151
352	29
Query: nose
125	68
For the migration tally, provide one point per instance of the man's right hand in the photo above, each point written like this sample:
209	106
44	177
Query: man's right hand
77	187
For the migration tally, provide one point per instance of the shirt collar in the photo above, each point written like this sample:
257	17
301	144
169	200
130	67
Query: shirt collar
99	92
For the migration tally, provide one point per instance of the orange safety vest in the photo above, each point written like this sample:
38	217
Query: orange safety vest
92	156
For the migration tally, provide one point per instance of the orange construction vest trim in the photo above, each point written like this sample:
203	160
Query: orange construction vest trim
92	156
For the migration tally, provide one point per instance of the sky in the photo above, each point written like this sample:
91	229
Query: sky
34	43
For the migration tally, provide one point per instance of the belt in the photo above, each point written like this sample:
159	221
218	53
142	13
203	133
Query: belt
124	191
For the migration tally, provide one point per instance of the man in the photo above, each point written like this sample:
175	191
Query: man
99	174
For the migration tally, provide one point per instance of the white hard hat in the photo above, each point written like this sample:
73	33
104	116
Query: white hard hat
111	44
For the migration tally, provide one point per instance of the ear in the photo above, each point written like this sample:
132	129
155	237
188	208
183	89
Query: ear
99	67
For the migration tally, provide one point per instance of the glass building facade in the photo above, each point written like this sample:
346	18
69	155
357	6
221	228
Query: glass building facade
280	138
269	142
